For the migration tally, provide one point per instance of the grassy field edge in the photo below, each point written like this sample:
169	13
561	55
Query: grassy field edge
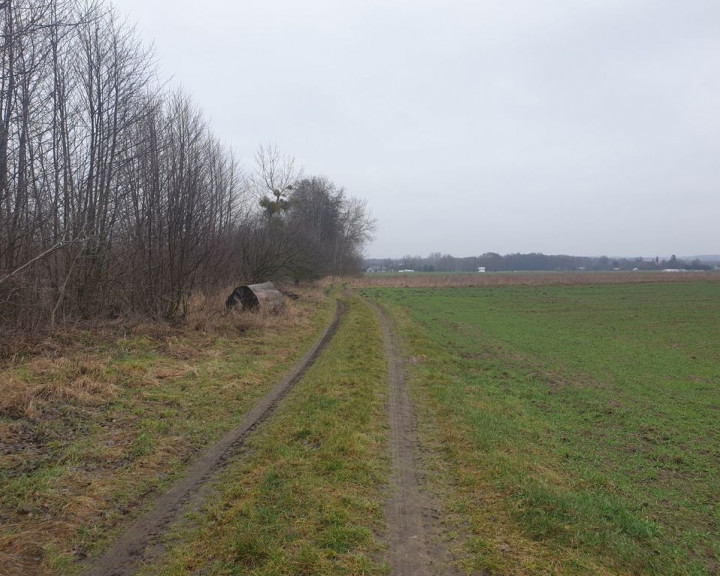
117	422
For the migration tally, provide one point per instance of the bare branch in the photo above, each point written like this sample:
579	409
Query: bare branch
58	246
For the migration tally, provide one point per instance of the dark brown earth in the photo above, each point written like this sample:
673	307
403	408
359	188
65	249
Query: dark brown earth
141	540
415	534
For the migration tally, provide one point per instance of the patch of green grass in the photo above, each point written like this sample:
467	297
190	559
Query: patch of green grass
579	423
308	497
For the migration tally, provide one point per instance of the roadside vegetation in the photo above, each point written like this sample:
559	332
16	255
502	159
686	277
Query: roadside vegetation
308	495
571	429
94	424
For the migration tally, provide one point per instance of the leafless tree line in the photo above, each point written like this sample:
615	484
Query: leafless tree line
115	196
307	227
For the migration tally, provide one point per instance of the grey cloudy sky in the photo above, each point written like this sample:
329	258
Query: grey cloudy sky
561	126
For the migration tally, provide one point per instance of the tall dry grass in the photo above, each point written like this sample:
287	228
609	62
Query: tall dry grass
76	405
68	365
53	380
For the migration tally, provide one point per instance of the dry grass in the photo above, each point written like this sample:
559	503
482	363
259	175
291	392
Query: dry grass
53	380
97	418
204	313
70	366
429	280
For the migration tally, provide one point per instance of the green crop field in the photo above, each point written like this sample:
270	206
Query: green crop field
570	429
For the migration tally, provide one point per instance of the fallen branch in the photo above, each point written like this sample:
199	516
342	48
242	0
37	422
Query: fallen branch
58	246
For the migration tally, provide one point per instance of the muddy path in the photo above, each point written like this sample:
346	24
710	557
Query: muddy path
414	533
139	542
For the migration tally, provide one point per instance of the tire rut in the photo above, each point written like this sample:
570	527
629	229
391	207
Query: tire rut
136	543
415	547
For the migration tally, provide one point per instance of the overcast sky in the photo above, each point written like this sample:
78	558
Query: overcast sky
559	126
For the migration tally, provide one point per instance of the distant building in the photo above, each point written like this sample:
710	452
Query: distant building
481	268
406	270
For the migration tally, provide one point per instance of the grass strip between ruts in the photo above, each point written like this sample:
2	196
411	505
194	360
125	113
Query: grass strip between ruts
307	498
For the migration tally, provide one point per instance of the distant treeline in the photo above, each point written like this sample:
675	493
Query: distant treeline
115	196
493	262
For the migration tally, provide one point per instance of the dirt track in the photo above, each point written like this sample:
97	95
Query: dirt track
414	537
136	544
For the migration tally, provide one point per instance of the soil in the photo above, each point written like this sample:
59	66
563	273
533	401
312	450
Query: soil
414	519
142	540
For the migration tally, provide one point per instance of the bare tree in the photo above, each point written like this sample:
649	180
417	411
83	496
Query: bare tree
357	228
274	178
326	230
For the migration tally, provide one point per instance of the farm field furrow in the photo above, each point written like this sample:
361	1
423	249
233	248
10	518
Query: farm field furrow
574	428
